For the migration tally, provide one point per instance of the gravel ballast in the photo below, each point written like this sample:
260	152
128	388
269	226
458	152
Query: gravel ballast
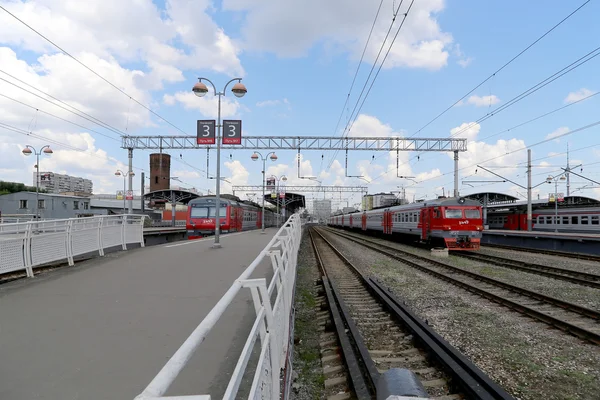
527	358
308	375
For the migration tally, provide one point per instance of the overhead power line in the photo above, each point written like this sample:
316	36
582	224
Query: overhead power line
358	100
90	69
358	68
500	69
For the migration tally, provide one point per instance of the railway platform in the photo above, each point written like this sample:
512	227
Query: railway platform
584	243
105	327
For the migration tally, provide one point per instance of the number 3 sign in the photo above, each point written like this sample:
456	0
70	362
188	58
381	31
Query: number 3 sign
232	131
206	132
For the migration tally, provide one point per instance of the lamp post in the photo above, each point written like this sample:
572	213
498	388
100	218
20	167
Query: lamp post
239	90
125	175
255	157
28	150
551	179
281	178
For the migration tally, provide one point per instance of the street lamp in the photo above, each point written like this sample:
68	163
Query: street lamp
125	175
238	90
255	157
28	150
281	178
551	179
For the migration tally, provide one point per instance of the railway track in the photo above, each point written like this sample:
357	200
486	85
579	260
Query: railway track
579	256
578	277
377	333
572	318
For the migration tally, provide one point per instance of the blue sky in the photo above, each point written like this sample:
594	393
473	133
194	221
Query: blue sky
298	61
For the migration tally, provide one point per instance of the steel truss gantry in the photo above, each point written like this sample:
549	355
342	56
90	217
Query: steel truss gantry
307	188
301	142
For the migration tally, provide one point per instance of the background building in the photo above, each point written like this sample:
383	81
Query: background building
321	209
378	200
58	183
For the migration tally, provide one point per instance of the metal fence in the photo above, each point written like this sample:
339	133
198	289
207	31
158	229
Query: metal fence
29	244
271	329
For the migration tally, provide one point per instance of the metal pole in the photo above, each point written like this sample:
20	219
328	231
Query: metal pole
143	205
455	173
130	178
568	170
218	189
124	196
277	203
173	207
37	186
262	223
556	206
529	208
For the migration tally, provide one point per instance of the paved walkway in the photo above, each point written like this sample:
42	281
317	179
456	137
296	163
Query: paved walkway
104	328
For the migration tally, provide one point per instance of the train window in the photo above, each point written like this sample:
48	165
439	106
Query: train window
472	214
574	220
540	220
565	220
584	220
548	220
453	213
595	220
504	220
201	212
436	213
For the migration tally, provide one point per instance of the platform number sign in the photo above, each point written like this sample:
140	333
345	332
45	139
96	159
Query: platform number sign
232	131
206	132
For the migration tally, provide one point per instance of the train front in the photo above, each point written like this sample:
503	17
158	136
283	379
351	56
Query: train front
202	217
462	224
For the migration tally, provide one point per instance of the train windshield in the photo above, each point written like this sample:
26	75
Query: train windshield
472	214
453	213
204	211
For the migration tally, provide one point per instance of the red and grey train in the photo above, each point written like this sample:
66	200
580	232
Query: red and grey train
570	218
236	216
454	223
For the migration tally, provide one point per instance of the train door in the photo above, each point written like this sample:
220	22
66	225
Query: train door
258	217
350	221
364	221
387	222
425	223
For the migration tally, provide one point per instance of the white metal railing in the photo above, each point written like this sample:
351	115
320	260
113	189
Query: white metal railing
29	244
271	328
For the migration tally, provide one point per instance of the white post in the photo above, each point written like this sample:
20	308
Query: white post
69	242
100	244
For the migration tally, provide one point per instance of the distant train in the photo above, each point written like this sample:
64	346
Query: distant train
453	223
570	219
236	216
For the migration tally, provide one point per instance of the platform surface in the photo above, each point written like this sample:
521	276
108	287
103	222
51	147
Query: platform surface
105	327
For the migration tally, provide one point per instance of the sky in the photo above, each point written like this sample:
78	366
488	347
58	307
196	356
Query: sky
97	70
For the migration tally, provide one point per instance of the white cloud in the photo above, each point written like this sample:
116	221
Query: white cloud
370	126
291	29
557	133
207	105
128	30
578	95
502	153
467	130
273	103
463	60
483	101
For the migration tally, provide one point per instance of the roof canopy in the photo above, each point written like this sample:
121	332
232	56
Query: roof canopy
291	202
492	198
169	195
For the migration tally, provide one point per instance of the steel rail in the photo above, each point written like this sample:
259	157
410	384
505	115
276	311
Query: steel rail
580	256
465	375
563	325
341	319
569	275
